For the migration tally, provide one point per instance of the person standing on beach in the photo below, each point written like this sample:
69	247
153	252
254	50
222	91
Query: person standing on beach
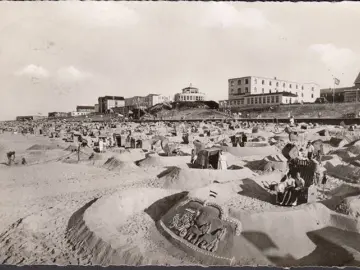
310	150
222	163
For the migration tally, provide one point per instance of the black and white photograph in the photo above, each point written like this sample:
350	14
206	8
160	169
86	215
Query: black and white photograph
179	133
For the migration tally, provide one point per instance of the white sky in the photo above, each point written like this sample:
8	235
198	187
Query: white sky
56	55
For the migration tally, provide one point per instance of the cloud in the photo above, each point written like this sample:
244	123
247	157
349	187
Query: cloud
72	74
104	14
33	71
335	59
225	15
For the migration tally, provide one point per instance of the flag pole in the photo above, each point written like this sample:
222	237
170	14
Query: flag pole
333	91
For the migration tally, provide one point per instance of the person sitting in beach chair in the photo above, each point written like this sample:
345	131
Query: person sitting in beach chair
11	157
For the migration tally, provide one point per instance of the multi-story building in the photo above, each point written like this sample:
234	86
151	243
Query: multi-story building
342	94
89	109
30	117
254	91
108	102
253	85
79	113
57	114
190	94
139	102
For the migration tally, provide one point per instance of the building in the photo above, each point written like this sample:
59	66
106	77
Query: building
89	109
30	117
57	114
96	108
343	94
190	94
259	100
75	114
106	103
253	85
139	102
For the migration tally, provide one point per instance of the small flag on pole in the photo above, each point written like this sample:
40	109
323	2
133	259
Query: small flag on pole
336	81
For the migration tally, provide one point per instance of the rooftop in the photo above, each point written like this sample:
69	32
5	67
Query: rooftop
113	97
267	78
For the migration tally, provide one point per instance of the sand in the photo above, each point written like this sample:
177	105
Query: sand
56	210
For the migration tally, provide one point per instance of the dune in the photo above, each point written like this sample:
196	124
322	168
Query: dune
187	179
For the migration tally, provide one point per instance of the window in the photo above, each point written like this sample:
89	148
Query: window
239	82
260	99
302	87
277	99
284	85
255	90
232	83
268	99
277	84
239	90
263	82
246	81
264	100
256	100
270	91
255	80
296	86
312	95
277	90
263	90
272	99
302	94
269	82
248	101
290	85
246	89
312	88
252	100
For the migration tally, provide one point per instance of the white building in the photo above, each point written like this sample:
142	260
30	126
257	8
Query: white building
79	113
253	85
107	103
190	94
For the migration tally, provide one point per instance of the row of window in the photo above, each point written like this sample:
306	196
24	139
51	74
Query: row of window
257	100
191	98
270	83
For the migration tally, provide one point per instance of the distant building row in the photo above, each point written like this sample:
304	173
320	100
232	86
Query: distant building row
119	104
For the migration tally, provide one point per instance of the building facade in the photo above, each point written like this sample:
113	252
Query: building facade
108	102
96	107
89	109
139	102
190	94
75	114
57	114
259	100
254	85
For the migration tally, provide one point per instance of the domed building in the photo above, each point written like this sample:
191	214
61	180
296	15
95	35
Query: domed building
190	94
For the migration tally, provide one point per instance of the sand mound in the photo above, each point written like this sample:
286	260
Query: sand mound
115	230
270	163
287	240
187	179
154	160
115	164
131	155
346	172
43	147
250	151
